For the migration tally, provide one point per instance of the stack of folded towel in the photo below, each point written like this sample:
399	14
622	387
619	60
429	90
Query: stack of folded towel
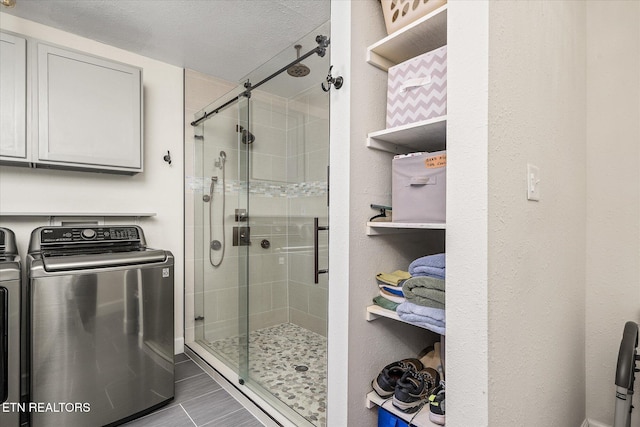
430	266
424	294
390	289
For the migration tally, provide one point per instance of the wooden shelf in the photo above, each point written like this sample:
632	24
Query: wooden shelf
377	228
421	419
426	135
421	36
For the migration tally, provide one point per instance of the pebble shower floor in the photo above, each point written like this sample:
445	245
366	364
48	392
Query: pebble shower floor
274	355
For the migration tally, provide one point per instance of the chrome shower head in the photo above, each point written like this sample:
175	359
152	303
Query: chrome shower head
223	157
247	137
298	70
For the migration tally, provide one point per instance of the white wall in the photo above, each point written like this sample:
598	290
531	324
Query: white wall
536	255
338	297
158	189
467	232
613	195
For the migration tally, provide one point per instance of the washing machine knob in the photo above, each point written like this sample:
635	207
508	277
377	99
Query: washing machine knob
88	233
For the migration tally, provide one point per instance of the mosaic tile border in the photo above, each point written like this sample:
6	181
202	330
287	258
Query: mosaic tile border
198	184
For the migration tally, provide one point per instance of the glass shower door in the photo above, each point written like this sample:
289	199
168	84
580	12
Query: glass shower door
284	168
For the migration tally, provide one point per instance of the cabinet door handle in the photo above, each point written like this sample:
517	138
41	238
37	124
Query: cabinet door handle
316	250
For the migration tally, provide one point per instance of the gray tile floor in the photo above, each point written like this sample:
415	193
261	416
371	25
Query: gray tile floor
199	401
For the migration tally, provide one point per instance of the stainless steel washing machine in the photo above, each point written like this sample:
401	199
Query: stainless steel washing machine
101	326
10	313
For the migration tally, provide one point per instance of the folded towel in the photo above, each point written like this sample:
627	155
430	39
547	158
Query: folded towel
425	291
399	285
426	317
385	303
429	271
430	265
436	260
397	291
393	278
424	282
392	297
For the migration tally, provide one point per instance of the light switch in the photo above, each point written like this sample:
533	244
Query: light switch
533	182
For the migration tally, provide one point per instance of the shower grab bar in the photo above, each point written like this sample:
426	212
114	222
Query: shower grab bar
316	250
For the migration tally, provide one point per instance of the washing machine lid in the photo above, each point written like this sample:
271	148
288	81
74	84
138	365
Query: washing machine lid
57	261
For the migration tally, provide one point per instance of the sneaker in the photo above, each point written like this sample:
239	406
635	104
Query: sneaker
436	405
430	358
385	384
413	389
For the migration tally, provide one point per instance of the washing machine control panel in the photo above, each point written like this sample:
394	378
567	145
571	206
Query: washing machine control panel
57	235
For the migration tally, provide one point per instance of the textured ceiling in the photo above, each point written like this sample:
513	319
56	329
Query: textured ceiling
222	38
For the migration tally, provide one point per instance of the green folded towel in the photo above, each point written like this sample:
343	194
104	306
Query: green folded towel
426	291
385	303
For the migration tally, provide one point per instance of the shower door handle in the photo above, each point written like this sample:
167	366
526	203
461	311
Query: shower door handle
316	250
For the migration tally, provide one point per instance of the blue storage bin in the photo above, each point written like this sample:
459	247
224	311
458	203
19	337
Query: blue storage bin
387	419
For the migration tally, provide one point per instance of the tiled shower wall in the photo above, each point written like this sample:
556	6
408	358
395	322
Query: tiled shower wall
199	91
308	157
288	176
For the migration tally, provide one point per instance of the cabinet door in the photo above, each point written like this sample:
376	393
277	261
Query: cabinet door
13	95
89	111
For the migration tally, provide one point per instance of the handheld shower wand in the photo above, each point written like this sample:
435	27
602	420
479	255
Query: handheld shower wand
215	245
219	163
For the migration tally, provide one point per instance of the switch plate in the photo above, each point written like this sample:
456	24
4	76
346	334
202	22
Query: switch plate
533	182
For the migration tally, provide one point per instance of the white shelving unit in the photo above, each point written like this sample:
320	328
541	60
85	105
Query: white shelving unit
421	36
426	135
375	312
377	228
420	419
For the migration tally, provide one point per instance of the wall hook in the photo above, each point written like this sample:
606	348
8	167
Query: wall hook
167	157
335	81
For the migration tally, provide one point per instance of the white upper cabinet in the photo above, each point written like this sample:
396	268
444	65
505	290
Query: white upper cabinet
67	109
89	111
13	97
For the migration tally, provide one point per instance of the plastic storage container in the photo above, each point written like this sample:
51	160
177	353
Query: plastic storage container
417	89
387	419
419	187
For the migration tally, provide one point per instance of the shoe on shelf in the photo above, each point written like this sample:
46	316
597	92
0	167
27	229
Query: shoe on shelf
385	384
436	405
430	358
413	389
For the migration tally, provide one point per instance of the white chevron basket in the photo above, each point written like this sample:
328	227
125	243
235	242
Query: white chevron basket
417	89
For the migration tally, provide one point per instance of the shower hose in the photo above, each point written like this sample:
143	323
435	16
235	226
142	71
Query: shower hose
211	225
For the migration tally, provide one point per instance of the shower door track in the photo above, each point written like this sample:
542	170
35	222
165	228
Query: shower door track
321	49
